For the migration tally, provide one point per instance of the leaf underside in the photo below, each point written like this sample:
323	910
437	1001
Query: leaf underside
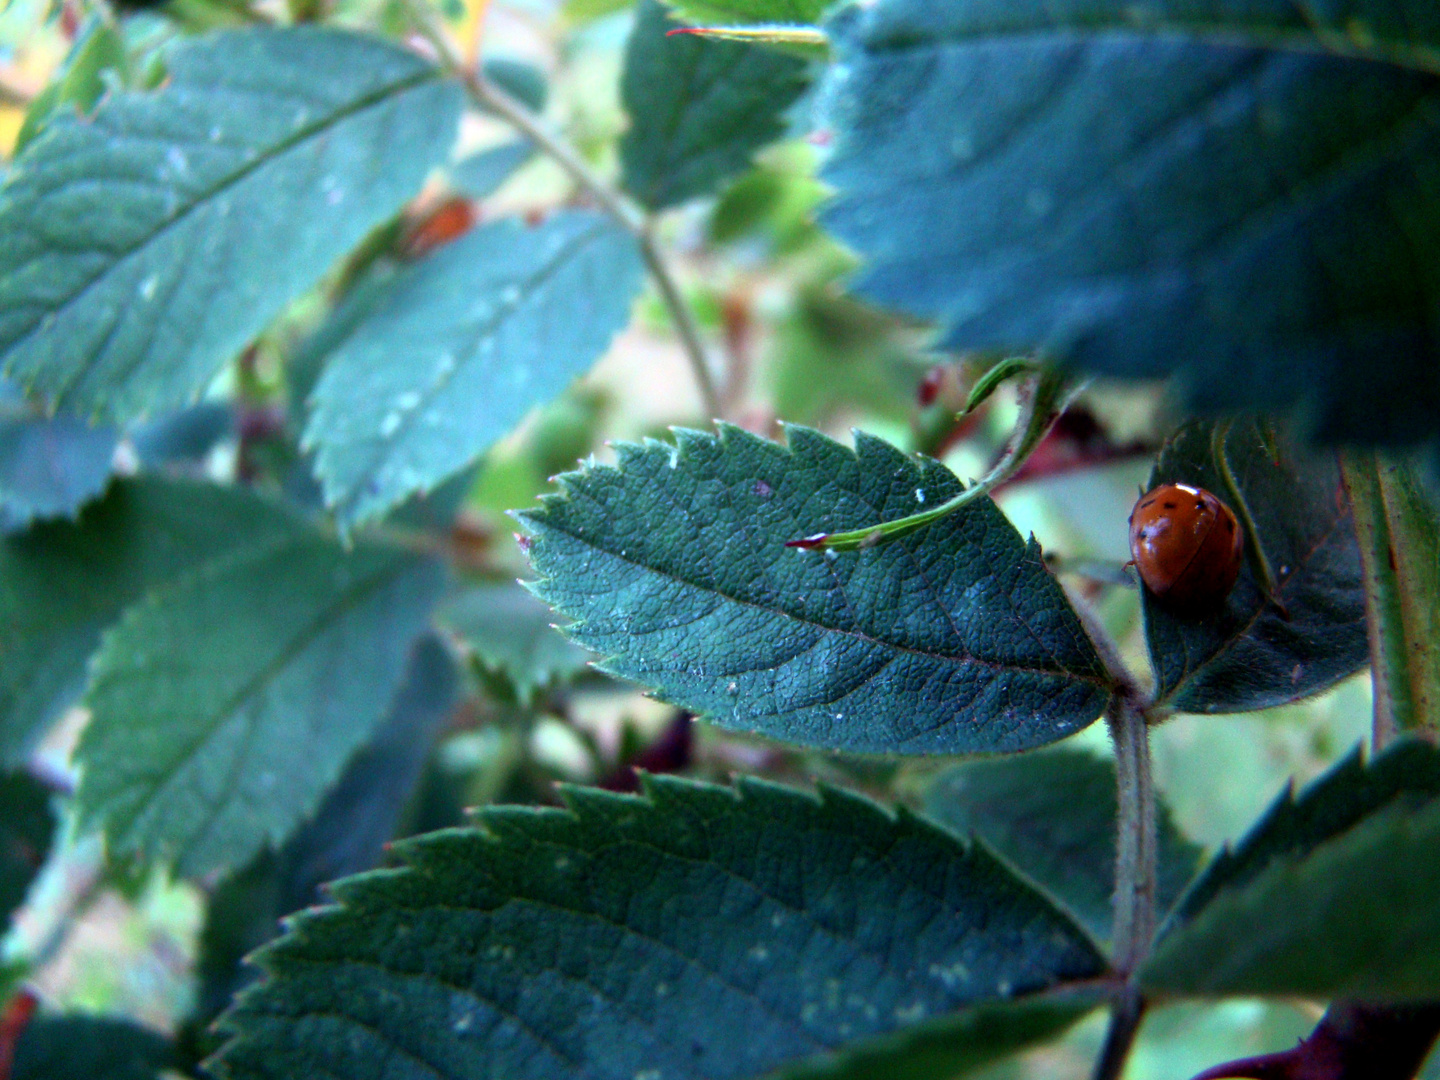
952	639
511	632
1353	867
1244	195
143	247
489	326
1252	655
49	466
697	932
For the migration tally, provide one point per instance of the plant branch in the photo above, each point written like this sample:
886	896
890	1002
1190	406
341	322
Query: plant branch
1135	854
610	199
1125	1018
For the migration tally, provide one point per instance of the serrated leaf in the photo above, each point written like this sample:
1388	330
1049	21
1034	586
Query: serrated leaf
225	706
97	1048
512	633
699	108
1357	917
62	583
751	11
143	247
49	467
98	56
1052	815
697	932
1408	776
347	835
1239	194
952	1046
490	325
1252	655
27	828
952	639
480	174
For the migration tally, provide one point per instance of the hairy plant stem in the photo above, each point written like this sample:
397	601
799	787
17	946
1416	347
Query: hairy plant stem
1134	925
626	213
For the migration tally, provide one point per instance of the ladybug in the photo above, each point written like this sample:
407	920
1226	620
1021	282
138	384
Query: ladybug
1187	546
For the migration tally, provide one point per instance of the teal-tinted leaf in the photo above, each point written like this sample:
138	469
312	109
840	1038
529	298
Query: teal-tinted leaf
954	638
1052	815
27	826
479	175
709	12
511	633
62	583
699	108
1252	655
1244	194
1407	776
524	82
698	932
183	437
142	248
489	326
93	1047
1356	917
49	467
952	1046
347	835
225	706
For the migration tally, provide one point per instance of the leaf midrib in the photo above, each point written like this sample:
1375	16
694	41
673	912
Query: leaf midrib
967	658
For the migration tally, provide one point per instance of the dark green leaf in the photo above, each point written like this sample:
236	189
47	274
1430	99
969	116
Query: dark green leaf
710	12
698	932
952	639
62	583
49	467
1357	917
1332	894
512	633
225	706
1244	194
479	175
1408	775
27	827
142	248
952	1046
699	108
79	1047
489	325
1251	655
346	836
1052	814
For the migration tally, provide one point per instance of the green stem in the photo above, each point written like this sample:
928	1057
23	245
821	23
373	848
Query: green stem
1135	854
1050	394
1398	552
625	212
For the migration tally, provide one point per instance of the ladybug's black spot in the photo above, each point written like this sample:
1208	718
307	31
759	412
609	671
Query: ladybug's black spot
1199	506
1229	526
1169	506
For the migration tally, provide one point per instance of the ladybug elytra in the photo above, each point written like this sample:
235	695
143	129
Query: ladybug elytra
1187	546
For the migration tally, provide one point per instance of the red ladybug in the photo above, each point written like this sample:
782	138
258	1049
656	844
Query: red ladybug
1188	546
